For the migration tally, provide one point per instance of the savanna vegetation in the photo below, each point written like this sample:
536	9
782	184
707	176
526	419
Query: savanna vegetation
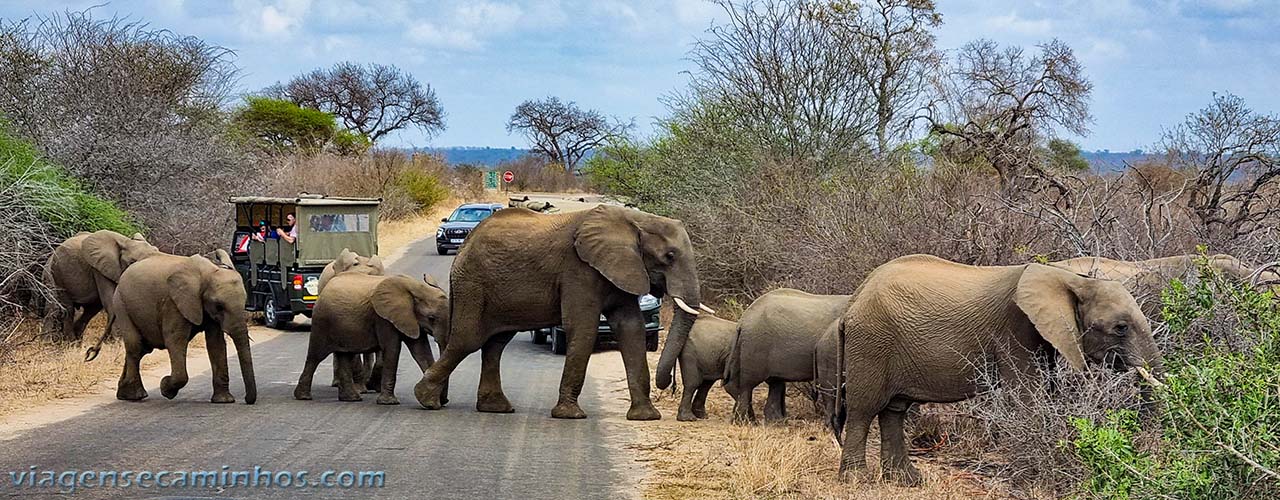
817	140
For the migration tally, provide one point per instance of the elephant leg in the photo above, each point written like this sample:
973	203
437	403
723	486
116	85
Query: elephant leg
467	335
489	397
692	380
700	399
894	462
420	349
87	313
775	408
628	324
372	370
177	377
130	386
388	366
744	411
581	323
430	390
315	354
853	453
58	315
216	344
346	386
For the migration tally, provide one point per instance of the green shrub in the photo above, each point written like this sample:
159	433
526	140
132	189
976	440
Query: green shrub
281	126
60	200
1219	403
424	189
348	143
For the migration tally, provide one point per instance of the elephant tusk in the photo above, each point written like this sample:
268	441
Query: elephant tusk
1146	375
706	309
684	307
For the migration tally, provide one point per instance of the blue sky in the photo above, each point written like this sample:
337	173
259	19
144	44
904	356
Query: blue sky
1152	62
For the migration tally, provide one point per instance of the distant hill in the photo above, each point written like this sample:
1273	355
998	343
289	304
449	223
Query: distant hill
458	155
1114	161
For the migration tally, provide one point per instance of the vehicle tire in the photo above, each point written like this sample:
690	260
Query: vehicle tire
272	317
539	337
651	341
442	250
559	342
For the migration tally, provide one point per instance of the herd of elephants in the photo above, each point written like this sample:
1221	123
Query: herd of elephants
918	329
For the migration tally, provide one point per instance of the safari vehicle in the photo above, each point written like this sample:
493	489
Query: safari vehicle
455	228
282	278
649	306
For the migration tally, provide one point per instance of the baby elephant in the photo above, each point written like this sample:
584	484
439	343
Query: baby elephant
702	363
351	262
778	340
358	313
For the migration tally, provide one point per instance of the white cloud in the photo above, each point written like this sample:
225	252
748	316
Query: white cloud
271	19
1017	25
428	34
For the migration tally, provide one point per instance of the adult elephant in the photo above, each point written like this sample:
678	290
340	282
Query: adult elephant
777	342
520	270
919	328
1146	278
364	314
351	262
83	272
163	302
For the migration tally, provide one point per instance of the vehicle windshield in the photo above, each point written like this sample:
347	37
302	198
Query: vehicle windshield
470	214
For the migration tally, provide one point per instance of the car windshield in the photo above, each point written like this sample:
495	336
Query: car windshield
470	214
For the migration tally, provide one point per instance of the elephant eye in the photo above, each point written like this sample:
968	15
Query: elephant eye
671	256
1122	329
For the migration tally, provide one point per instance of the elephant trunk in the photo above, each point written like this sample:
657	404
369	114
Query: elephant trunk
241	339
681	323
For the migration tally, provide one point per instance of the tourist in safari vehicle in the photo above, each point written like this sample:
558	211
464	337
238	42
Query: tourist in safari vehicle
281	246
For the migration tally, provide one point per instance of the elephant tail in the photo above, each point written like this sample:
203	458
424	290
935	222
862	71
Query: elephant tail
837	415
91	353
731	364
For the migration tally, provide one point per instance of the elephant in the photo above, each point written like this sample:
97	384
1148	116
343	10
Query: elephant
352	262
777	343
362	313
1145	278
162	302
702	363
520	270
83	272
921	329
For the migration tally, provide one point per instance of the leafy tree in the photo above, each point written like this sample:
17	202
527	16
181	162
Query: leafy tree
281	126
1064	156
561	131
372	100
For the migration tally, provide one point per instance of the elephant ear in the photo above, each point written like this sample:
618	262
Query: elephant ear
345	260
102	251
223	259
376	263
610	243
429	280
1046	295
186	289
393	301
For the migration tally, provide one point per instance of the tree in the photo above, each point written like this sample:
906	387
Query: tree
898	43
998	105
797	87
1062	155
281	126
1233	155
373	100
561	131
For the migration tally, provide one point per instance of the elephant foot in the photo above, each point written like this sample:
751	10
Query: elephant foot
168	388
222	398
387	399
301	394
427	394
644	411
570	410
700	413
349	396
493	403
369	390
905	475
854	472
686	415
131	393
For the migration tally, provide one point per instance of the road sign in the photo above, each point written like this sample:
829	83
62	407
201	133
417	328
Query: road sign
508	176
491	179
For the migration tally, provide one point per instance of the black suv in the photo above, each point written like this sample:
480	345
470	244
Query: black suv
455	228
649	306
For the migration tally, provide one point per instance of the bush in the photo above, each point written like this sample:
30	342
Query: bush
423	188
278	126
406	184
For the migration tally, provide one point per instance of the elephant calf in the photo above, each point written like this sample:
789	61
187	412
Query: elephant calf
358	313
351	262
778	341
702	363
83	272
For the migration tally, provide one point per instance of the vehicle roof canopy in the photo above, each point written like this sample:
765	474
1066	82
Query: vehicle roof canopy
326	224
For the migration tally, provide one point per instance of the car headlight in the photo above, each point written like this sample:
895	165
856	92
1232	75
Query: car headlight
649	302
312	286
440	232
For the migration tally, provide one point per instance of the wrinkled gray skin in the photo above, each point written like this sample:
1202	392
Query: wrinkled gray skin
83	272
351	262
777	343
702	363
359	313
162	302
586	263
1146	278
919	329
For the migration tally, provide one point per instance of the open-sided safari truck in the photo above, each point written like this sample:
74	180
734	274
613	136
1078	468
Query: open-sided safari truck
282	277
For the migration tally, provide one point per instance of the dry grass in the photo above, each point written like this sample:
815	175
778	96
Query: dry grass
39	371
798	458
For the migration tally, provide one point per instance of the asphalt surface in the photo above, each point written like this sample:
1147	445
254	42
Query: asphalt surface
453	453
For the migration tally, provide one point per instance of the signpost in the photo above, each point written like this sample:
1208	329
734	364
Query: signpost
491	180
507	177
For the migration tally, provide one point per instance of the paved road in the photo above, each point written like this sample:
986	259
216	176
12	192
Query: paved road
453	453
